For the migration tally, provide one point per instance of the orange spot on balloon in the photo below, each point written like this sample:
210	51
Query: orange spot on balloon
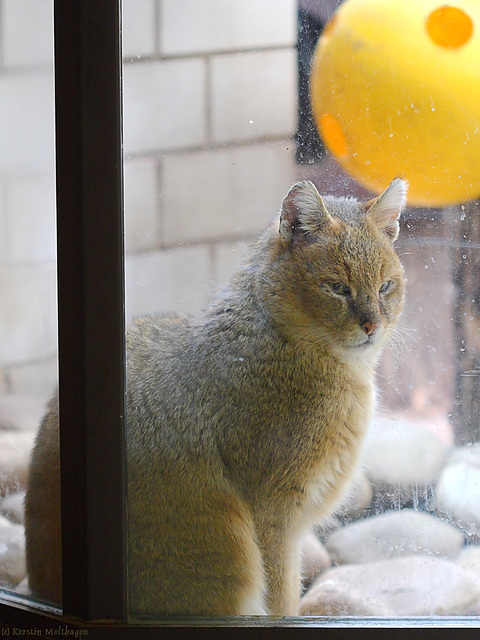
333	135
449	27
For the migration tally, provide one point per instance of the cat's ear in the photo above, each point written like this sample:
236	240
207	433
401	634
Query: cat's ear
386	208
303	212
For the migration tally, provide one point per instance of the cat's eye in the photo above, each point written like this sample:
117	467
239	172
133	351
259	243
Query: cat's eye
386	286
340	289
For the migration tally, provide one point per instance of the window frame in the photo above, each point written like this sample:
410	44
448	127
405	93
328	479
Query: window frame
91	336
91	313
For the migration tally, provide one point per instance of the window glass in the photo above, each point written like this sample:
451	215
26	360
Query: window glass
28	350
218	125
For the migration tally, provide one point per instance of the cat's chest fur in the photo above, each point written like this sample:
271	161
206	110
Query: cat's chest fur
338	424
335	455
302	447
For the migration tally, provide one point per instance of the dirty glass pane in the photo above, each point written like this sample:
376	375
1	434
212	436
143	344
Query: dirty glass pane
218	124
28	360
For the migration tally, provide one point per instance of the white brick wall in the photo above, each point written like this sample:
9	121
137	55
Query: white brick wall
139	28
227	257
27	33
26	121
27	199
29	230
253	95
227	192
141	204
164	105
208	26
209	100
164	280
27	318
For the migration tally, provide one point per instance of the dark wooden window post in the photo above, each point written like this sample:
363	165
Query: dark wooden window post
91	306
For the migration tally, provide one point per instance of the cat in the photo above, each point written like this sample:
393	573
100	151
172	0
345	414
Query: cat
245	424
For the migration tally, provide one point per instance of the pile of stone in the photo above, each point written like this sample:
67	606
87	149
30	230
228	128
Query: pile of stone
19	420
405	543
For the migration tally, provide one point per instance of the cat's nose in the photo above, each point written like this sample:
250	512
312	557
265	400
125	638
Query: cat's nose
370	327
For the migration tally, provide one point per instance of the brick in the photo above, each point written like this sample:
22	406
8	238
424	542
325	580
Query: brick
168	280
141	200
27	33
227	258
27	122
138	28
191	26
253	95
29	214
28	321
164	105
224	193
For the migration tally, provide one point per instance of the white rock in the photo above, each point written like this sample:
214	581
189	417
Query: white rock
15	449
402	459
358	499
394	534
458	493
330	598
12	507
12	555
323	529
23	588
469	558
469	455
410	586
399	451
315	558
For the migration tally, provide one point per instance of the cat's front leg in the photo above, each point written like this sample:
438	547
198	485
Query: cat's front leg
281	558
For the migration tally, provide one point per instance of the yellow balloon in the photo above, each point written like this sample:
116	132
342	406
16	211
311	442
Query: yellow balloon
395	89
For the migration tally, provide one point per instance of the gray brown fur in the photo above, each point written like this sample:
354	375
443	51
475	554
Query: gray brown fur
245	424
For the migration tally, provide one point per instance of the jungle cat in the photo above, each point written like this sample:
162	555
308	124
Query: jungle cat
245	424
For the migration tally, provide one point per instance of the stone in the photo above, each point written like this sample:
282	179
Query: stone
402	459
469	559
409	586
323	528
23	588
468	455
12	555
15	450
358	499
315	558
332	599
458	490
394	534
12	507
21	412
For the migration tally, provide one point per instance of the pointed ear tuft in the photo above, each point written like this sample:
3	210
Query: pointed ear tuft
303	211
385	210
